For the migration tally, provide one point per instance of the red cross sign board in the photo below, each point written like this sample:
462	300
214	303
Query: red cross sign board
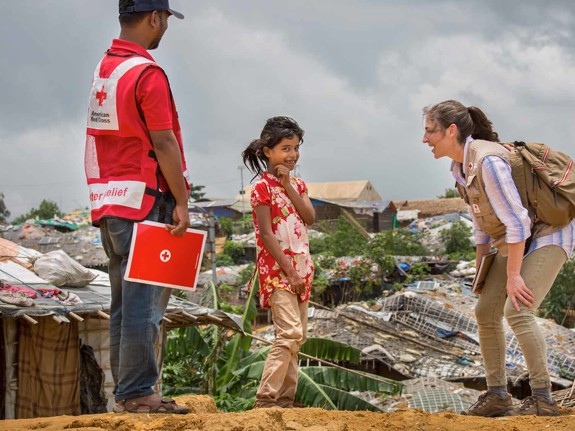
160	258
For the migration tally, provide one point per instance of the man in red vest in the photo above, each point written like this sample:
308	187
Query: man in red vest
136	171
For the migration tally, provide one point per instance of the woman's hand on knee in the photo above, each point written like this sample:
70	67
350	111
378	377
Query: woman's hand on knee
517	292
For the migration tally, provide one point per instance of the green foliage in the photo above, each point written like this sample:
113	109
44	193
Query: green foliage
317	245
196	192
344	240
184	367
449	193
322	263
234	250
329	349
224	260
226	402
327	397
227	226
233	309
561	297
387	264
247	273
347	381
362	278
327	387
417	272
4	213
239	345
244	225
456	239
48	209
397	242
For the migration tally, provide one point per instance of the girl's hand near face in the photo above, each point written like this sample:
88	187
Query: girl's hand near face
282	172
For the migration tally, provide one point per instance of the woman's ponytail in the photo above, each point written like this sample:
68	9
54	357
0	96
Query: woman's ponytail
483	128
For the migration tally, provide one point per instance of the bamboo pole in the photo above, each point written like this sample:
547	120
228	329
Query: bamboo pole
29	319
214	318
355	223
75	316
59	319
103	315
189	316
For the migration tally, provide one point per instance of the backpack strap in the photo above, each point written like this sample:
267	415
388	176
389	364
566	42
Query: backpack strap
517	169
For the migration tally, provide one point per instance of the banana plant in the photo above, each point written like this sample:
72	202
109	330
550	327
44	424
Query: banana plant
327	387
231	372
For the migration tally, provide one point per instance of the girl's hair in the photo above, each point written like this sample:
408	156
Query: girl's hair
276	129
469	121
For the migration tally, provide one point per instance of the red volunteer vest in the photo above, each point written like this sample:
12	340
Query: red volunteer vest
122	172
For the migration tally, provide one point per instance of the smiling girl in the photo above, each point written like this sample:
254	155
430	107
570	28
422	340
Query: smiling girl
281	212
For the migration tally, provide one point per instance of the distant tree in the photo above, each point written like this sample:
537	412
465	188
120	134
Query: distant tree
196	192
449	193
4	213
47	209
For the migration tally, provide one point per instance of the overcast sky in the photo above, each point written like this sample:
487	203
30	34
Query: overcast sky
354	73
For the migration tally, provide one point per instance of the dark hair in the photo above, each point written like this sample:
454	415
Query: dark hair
130	19
469	121
276	129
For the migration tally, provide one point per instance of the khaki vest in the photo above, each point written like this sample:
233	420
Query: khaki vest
476	197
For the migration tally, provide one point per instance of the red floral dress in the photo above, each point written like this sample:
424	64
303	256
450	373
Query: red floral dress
291	233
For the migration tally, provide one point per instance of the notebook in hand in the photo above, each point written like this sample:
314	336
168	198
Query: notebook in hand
160	258
482	271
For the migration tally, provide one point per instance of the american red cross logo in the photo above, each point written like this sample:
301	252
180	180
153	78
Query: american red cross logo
101	96
165	255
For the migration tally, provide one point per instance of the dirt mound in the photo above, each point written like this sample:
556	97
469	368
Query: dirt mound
205	417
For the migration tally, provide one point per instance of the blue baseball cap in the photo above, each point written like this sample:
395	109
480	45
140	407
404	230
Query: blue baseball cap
150	6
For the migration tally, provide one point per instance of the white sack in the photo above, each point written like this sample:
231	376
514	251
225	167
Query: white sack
61	270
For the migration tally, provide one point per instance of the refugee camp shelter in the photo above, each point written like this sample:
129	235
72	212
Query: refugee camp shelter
332	199
217	207
54	341
407	210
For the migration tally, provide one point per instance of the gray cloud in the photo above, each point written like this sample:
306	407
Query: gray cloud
354	74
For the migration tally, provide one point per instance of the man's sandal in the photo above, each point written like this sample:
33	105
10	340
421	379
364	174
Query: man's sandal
150	404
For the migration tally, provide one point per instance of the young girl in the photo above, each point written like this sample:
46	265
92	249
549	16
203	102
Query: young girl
281	211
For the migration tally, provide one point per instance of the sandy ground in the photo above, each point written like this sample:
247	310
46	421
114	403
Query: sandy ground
204	416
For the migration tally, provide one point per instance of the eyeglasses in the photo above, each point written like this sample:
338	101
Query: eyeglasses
428	133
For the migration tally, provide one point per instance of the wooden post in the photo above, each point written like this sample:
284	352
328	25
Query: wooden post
60	319
75	316
355	223
103	315
29	319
